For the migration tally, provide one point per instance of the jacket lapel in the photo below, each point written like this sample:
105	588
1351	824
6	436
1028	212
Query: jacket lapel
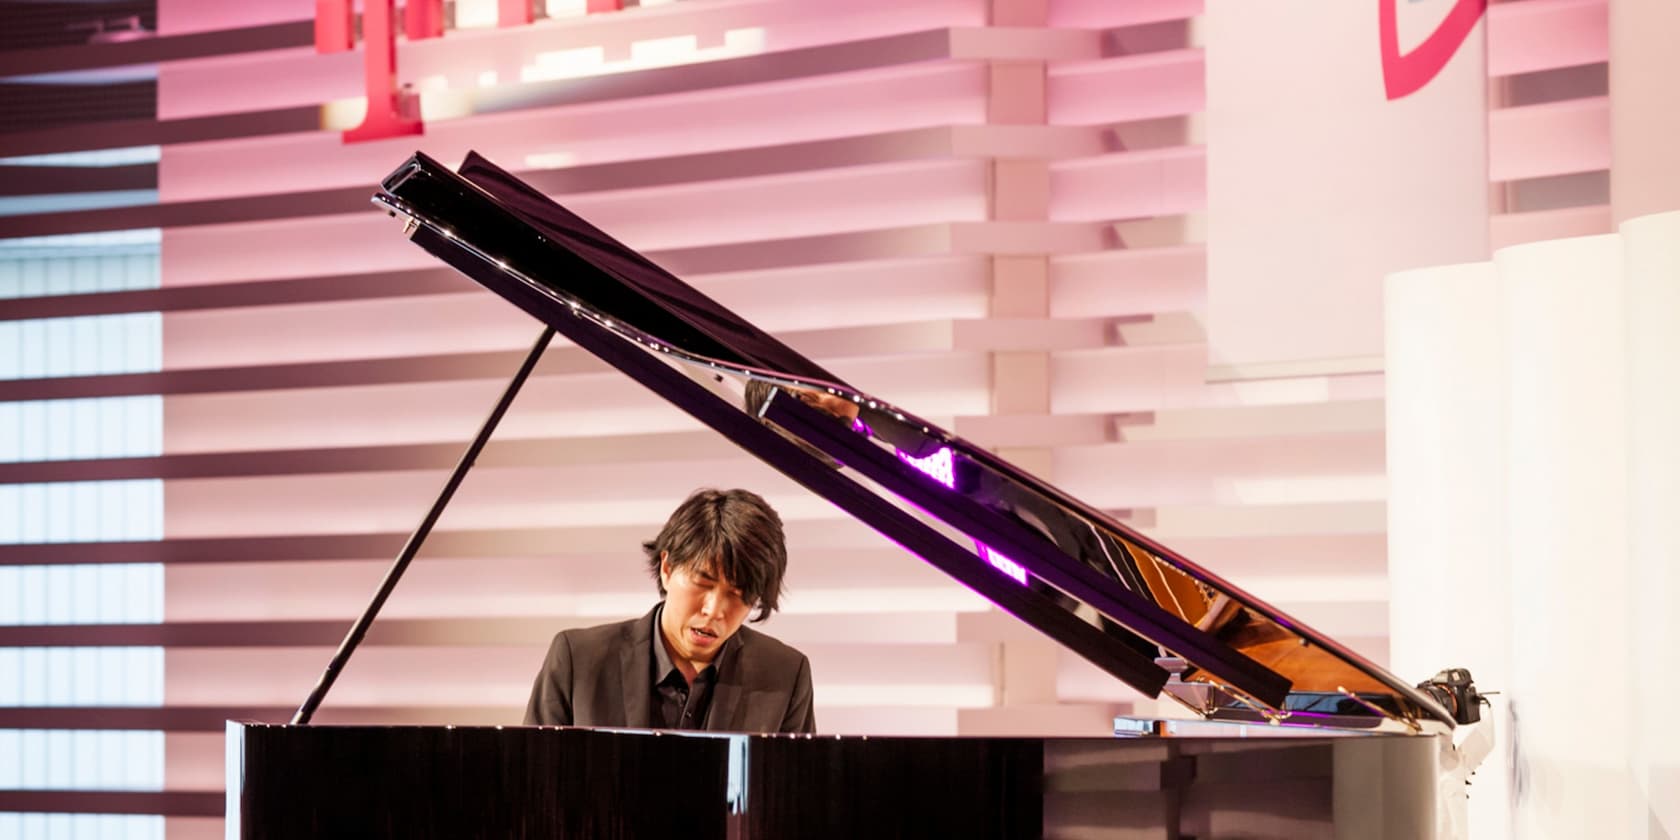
635	672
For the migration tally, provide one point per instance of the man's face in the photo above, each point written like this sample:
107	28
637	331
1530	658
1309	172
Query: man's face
701	611
838	406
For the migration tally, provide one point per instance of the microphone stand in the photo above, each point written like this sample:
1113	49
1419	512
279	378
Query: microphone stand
358	630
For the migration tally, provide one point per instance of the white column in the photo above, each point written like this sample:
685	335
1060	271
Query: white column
1448	567
1319	185
1652	248
1018	94
1567	493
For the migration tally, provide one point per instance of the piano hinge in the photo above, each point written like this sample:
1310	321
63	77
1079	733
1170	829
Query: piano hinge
1409	724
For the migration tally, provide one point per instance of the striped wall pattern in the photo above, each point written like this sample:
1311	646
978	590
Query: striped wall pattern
988	212
40	756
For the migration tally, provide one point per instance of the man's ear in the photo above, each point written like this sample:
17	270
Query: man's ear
665	569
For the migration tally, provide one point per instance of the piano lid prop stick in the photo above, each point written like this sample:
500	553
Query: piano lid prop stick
354	638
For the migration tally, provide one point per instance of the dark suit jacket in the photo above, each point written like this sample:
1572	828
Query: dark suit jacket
603	676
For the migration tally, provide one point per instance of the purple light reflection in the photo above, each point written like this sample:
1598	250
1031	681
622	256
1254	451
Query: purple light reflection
1002	563
941	467
938	465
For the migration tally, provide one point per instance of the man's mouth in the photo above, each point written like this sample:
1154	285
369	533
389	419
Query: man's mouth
702	635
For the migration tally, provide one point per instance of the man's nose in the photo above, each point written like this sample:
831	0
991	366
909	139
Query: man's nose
709	604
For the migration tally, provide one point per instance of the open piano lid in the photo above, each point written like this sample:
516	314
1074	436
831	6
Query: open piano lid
1128	604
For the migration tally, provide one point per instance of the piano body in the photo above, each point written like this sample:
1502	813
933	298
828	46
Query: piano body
1289	733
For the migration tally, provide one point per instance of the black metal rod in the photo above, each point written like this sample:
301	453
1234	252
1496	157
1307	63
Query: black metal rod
358	630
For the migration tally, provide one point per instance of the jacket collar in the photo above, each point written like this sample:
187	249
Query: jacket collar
636	663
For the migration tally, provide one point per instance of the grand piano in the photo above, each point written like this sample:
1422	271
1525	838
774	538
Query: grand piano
1286	733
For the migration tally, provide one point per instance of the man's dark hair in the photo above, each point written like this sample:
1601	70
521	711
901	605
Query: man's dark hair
757	394
732	534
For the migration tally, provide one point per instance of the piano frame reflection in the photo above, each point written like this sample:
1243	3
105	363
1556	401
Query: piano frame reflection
1133	607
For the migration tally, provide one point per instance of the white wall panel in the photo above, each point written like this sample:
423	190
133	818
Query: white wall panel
1450	602
1554	434
1652	264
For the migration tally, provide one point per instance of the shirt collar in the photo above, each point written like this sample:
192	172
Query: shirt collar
662	664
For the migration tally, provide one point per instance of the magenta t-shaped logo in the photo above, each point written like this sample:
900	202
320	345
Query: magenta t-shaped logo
1405	73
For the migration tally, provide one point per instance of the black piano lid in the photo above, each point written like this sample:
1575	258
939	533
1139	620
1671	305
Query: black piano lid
1062	562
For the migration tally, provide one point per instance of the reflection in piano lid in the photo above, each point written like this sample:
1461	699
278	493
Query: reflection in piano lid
1130	605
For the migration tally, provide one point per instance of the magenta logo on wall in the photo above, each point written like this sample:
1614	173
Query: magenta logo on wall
391	110
1405	73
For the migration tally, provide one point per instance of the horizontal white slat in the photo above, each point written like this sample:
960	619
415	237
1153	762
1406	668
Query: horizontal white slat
647	449
1068	720
788	206
1116	282
1137	281
919	621
604	404
1337	605
467	324
1127	88
843	674
194	761
492	498
182	17
1539	35
1237	471
1129	185
1024	43
311	332
1080	681
818	581
839	294
865	108
1102	14
1034	430
1554	138
1252	422
1142	473
326	245
1152	378
1307	554
1180	524
827	533
1256	421
600	404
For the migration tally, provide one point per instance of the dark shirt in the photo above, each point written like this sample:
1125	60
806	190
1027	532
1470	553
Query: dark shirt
676	704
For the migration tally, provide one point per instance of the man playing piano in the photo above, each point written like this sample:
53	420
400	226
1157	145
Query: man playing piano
688	663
